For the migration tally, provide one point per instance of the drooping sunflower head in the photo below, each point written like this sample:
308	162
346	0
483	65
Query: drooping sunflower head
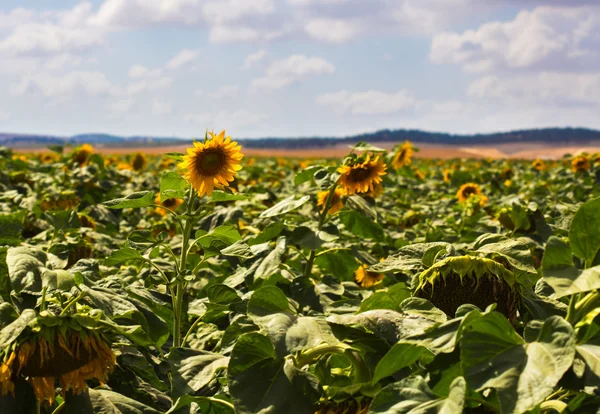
403	155
336	202
366	279
361	174
350	406
466	191
170	203
457	280
82	153
212	163
139	161
538	165
581	163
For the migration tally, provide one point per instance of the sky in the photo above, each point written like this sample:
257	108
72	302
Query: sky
295	68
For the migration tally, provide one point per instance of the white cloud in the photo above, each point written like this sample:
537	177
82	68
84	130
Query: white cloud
546	88
140	71
15	18
287	71
198	92
228	34
225	92
332	30
369	102
145	85
230	119
160	107
120	106
560	38
64	86
183	58
4	116
253	58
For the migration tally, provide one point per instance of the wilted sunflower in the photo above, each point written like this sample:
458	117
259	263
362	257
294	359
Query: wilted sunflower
457	280
82	153
469	190
367	279
361	174
212	163
170	203
538	165
138	162
580	163
335	204
60	354
350	406
403	155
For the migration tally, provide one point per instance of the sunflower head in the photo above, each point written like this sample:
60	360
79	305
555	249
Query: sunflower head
87	221
506	173
447	175
82	153
457	280
403	155
366	279
48	157
211	163
361	174
170	203
580	163
350	406
538	165
469	190
336	202
139	161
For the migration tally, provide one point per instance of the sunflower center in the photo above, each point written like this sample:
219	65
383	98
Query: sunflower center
169	202
469	191
210	162
359	174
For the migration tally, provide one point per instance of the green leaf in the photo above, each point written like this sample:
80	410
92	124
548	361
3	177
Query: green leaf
559	272
523	374
172	185
11	226
409	259
583	234
270	232
270	264
360	225
123	255
193	370
222	294
109	402
238	249
390	298
218	196
285	206
413	396
306	174
339	263
11	332
205	405
26	266
220	238
134	200
268	300
401	355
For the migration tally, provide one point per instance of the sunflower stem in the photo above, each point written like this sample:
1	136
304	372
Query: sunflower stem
322	218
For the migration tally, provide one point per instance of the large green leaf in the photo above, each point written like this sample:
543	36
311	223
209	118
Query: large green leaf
340	264
193	370
110	402
360	225
11	226
284	206
413	396
583	234
401	355
12	331
172	185
523	374
270	264
133	200
26	266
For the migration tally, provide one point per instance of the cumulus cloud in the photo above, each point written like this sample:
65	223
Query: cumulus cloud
284	72
140	71
232	119
161	107
86	83
560	38
253	58
225	92
371	102
332	30
183	58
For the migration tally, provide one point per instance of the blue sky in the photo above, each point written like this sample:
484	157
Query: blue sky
297	67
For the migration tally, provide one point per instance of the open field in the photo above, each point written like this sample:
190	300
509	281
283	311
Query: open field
502	151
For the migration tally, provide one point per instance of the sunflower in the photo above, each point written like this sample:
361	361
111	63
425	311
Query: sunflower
403	155
211	163
20	158
68	356
138	161
419	175
87	221
366	279
350	406
580	163
538	165
48	157
361	174
375	192
469	190
447	175
81	154
170	203
336	200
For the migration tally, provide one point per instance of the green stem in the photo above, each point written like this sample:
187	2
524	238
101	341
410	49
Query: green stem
59	408
81	295
215	401
189	332
553	405
322	219
174	214
312	355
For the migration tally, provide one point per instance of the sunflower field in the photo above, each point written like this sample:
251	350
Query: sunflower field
216	283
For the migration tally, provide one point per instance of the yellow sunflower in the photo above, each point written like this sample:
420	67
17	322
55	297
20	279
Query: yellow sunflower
469	190
336	200
81	154
170	203
212	163
447	175
366	279
538	165
403	155
580	163
49	157
361	176
71	358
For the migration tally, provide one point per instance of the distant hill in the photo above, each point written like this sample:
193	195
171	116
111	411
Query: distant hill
558	136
